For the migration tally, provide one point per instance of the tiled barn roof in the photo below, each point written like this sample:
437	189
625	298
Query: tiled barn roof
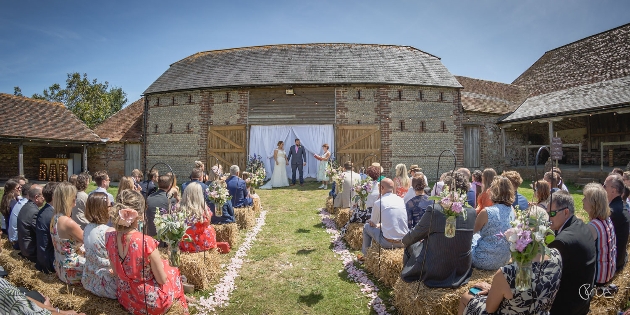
28	118
305	64
582	99
490	97
600	57
125	125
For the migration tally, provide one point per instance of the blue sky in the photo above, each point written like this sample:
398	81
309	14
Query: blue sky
131	43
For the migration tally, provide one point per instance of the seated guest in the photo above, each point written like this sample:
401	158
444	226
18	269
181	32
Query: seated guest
554	180
491	252
576	245
417	205
174	192
439	185
73	179
561	184
601	226
195	177
626	182
45	249
621	219
136	177
12	190
401	181
12	227
476	185
388	223
97	277
359	215
350	178
250	190
228	211
78	211
145	281
381	176
502	297
484	199
425	257
200	235
66	235
126	183
516	180
102	182
148	186
542	192
158	200
237	188
413	170
27	240
14	301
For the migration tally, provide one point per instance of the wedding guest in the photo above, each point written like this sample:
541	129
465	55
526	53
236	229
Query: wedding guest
237	188
323	166
228	211
136	176
502	297
362	216
195	177
350	179
201	233
13	220
125	183
476	185
158	200
576	245
621	219
78	211
362	173
491	252
27	240
174	192
484	199
102	182
146	283
417	205
516	180
45	248
425	258
554	179
12	190
389	216
561	184
439	185
465	172
596	206
413	170
542	192
401	181
73	179
14	301
204	176
381	176
148	186
97	277
626	182
66	235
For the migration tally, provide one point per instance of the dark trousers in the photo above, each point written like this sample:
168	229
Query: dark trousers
300	168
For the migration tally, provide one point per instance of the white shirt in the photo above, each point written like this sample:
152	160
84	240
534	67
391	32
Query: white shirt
103	190
12	228
371	198
391	212
412	193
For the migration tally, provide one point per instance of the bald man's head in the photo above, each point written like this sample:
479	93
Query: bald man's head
387	185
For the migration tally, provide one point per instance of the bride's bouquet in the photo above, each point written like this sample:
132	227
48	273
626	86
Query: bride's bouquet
256	168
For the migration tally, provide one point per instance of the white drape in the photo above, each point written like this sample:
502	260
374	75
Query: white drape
263	140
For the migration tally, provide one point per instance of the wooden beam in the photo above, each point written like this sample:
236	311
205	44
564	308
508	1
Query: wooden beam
354	141
228	127
367	151
228	150
226	139
221	159
357	127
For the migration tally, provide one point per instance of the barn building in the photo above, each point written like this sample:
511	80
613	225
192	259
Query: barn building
392	104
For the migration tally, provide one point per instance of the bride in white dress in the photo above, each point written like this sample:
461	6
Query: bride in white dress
279	176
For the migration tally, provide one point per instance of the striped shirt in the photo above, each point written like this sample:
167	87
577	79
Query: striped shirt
606	247
14	302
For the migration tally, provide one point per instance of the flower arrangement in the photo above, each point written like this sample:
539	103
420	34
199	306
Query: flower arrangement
171	229
362	190
218	195
256	168
334	172
453	204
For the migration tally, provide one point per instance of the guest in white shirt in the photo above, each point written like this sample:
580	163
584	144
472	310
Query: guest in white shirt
350	178
12	228
102	181
389	216
412	193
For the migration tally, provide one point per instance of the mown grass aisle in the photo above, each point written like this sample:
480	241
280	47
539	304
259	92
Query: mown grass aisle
291	269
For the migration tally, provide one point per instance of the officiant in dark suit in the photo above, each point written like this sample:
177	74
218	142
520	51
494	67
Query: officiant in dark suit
297	155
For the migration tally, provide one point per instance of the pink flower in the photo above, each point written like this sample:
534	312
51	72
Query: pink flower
457	207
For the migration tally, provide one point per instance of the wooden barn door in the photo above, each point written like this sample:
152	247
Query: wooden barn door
471	146
228	144
133	153
358	142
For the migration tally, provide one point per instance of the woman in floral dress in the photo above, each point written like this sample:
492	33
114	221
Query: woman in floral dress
200	236
401	181
97	274
66	235
136	262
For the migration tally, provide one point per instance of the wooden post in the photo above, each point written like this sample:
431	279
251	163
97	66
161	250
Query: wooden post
601	157
503	140
526	156
588	133
550	132
85	153
21	159
580	157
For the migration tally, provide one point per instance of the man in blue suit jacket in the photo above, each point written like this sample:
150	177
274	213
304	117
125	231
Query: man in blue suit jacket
237	188
297	155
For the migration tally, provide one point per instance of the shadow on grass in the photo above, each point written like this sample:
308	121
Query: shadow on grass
302	231
305	251
318	225
310	299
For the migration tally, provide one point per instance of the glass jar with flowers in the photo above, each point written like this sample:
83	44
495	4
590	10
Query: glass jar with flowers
453	204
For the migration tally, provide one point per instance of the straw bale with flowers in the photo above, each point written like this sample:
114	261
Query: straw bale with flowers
354	235
343	217
384	264
329	204
201	269
245	218
227	233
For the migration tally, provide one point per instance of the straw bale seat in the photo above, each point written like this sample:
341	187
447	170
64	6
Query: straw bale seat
417	299
245	217
354	235
386	267
201	269
257	206
601	305
227	233
329	205
343	217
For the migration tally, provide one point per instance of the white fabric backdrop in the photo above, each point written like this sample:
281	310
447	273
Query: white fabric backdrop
263	140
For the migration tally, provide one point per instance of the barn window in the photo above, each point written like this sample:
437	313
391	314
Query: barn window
173	100
227	96
400	95
359	94
420	96
441	96
188	127
156	128
358	122
443	128
189	98
402	125
423	126
171	128
158	102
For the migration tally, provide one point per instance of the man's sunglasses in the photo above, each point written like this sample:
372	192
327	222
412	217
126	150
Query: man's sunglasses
553	213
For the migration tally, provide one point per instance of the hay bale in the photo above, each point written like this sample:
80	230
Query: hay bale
386	267
227	233
329	204
201	269
245	218
343	217
354	235
602	305
257	207
417	299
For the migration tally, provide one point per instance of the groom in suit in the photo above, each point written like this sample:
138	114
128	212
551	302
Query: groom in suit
297	155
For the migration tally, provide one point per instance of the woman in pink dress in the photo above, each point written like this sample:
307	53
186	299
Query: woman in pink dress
200	236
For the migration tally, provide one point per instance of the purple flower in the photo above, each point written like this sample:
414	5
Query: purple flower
457	207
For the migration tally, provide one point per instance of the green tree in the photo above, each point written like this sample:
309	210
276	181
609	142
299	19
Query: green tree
91	101
17	91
